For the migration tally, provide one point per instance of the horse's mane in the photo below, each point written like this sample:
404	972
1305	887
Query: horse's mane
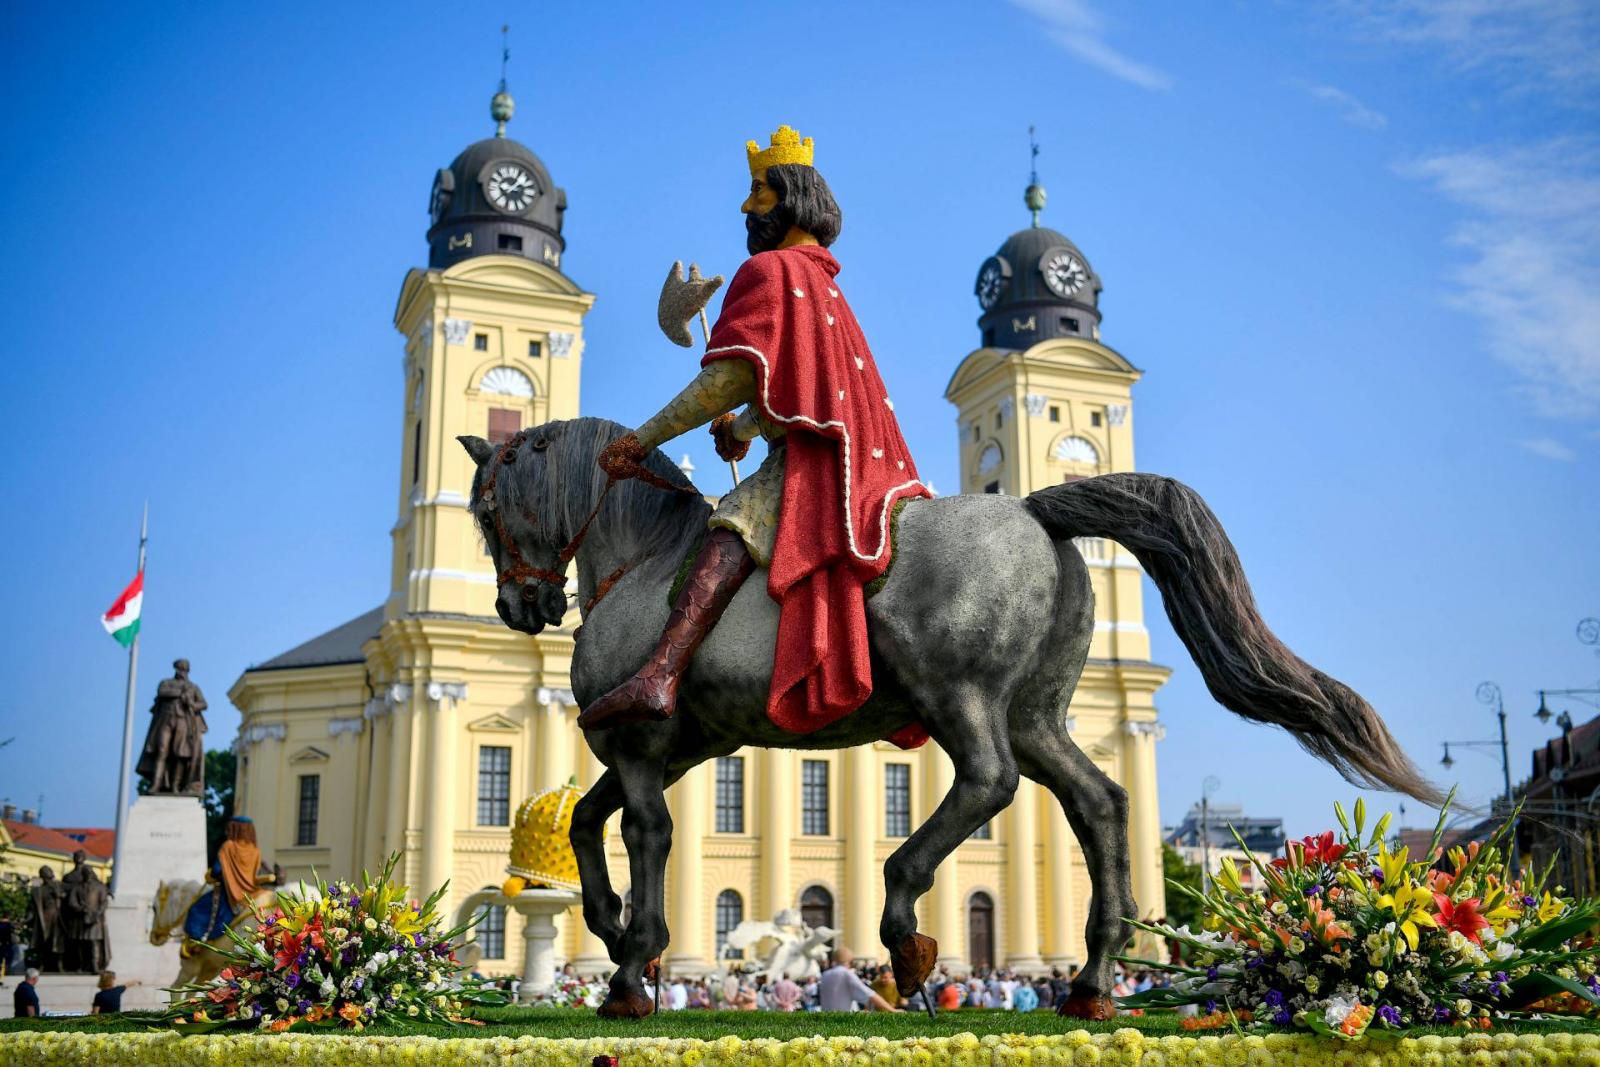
559	493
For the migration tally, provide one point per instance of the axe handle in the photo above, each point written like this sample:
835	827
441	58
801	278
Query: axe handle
705	331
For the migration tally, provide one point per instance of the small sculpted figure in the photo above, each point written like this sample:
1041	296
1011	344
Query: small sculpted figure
88	949
45	932
174	756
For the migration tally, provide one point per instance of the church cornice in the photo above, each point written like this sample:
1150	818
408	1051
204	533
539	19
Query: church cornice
487	276
1076	355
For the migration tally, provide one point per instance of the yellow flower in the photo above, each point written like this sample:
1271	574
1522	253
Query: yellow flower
1550	907
1409	905
1393	865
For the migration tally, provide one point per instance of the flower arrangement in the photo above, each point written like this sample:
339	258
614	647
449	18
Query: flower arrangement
1351	935
345	956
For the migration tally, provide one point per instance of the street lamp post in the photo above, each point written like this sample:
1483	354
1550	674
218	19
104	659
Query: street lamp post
1489	694
1207	787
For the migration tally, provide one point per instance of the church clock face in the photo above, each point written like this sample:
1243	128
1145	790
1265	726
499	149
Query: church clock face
1062	272
510	187
993	277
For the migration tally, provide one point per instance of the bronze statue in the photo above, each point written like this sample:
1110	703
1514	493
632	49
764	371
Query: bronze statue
174	757
83	918
44	920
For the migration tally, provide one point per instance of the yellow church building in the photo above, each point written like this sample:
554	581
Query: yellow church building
419	726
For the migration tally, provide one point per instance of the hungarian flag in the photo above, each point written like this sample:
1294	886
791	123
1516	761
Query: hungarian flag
122	621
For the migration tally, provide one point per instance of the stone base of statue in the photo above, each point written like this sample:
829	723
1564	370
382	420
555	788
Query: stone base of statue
539	908
165	840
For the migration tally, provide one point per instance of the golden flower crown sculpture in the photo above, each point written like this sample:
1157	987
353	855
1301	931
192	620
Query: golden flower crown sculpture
541	848
786	147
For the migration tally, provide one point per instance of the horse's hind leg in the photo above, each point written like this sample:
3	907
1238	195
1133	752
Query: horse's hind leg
647	832
972	729
1097	810
602	908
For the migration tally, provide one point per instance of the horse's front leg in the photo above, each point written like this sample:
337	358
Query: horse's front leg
602	908
647	833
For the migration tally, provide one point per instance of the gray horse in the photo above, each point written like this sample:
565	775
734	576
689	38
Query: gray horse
980	633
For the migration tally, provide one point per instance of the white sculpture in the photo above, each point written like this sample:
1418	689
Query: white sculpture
786	947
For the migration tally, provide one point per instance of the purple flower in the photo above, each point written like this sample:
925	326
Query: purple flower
1212	973
441	949
1377	874
272	920
1313	890
1528	902
1211	1006
1593	983
1253	962
1389	1014
303	1007
292	979
419	940
1282	1017
1274	998
357	984
255	1009
1441	1014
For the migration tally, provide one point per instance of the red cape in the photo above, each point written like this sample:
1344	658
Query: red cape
845	467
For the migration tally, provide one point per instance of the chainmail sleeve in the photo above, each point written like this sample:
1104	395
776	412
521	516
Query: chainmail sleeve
720	386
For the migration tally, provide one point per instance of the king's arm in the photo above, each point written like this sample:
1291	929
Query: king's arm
721	386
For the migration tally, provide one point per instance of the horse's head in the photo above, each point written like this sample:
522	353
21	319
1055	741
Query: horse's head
506	504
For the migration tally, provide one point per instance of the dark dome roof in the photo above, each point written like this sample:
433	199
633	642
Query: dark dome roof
466	222
1027	310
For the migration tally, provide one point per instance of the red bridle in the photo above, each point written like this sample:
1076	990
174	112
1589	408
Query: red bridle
519	569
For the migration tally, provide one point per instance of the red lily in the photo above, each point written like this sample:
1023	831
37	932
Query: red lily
1313	850
1462	917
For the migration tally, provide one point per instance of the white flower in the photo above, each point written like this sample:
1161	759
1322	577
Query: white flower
370	923
327	988
1279	907
1504	950
1338	1009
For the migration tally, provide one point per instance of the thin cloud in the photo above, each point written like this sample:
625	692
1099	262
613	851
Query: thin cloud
1531	237
1549	448
1550	46
1349	108
1079	30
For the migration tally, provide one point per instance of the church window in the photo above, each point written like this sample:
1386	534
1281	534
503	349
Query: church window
814	797
508	242
984	832
816	907
491	932
897	800
494	785
535	349
1069	323
503	422
730	913
480	342
730	795
1094	418
305	830
505	381
992	487
416	452
1055	413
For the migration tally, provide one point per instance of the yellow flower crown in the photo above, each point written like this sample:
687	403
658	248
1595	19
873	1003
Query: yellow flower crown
786	148
541	851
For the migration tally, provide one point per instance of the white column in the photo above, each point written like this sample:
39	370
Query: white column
686	871
1064	924
1144	819
339	795
1022	887
778	799
862	817
401	770
380	725
439	811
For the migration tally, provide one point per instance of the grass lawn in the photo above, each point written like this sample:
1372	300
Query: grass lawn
709	1025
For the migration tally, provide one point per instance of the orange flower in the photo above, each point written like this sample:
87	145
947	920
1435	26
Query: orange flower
278	1026
350	1012
199	1017
1357	1020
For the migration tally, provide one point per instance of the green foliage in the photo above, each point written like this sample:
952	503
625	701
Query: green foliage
14	901
222	768
1182	908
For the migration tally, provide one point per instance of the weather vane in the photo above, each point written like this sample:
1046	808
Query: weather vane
1034	197
505	54
1033	158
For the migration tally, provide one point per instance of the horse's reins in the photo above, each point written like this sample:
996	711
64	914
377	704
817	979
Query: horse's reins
519	569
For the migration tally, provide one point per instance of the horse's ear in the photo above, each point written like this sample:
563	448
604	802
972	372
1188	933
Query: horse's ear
479	449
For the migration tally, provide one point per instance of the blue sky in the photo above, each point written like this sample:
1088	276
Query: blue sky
1353	247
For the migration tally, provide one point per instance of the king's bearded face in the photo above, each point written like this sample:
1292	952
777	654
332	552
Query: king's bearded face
766	222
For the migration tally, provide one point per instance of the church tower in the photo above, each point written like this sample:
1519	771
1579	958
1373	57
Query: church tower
1043	401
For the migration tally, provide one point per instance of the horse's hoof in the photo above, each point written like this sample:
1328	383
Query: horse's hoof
1095	1006
631	1005
913	959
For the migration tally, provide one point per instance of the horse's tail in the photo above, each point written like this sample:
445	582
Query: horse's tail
1183	548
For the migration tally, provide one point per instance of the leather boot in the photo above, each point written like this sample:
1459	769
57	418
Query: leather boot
652	694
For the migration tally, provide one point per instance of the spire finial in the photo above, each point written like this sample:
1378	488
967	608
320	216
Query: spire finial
1034	196
502	106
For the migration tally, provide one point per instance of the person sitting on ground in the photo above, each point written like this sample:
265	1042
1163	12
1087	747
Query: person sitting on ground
108	998
841	989
883	984
25	1001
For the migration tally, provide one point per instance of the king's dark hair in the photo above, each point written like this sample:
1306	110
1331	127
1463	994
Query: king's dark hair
804	200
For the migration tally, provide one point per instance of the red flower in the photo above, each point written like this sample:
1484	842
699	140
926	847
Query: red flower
1462	917
1312	850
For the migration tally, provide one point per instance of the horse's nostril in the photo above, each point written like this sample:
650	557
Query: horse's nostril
530	593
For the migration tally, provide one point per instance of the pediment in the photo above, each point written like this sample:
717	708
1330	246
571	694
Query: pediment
1075	352
309	754
513	272
495	724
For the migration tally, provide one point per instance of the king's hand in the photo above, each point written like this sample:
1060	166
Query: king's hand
729	447
623	458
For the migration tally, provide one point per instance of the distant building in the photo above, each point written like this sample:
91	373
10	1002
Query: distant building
25	846
1206	838
1560	805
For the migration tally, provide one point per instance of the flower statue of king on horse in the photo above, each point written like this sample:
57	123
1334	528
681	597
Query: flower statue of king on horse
883	613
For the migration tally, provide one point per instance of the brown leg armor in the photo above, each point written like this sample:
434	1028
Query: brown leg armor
651	695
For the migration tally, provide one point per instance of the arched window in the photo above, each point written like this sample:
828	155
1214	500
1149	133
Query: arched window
980	931
491	932
505	381
816	907
730	913
1077	450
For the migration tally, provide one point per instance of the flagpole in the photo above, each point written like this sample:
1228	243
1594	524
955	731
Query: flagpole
127	721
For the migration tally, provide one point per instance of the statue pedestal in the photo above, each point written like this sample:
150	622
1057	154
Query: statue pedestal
165	841
539	908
